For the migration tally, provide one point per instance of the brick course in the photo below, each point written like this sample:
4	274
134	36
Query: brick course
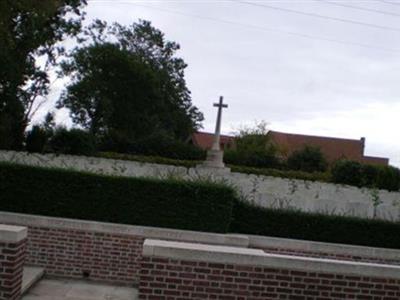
76	254
163	278
12	258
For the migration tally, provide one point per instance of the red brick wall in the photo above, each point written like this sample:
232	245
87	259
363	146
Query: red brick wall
359	258
175	279
74	253
12	257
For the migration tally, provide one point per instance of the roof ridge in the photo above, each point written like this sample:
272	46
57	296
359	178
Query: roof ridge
316	136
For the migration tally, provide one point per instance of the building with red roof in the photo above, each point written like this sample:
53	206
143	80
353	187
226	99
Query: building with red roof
332	148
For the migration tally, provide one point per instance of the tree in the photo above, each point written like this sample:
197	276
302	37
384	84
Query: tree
308	159
128	84
30	30
253	148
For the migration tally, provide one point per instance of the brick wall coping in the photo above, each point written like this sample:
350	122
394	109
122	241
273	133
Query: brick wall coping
110	228
263	242
252	257
12	234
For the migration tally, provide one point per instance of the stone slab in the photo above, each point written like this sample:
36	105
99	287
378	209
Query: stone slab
310	246
12	234
148	232
252	257
59	289
30	276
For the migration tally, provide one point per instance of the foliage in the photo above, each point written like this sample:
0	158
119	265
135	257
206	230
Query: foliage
292	224
315	176
253	148
388	178
30	30
149	159
36	139
127	84
357	174
347	172
308	159
73	141
138	201
159	145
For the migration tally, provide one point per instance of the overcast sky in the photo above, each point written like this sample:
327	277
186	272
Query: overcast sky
314	67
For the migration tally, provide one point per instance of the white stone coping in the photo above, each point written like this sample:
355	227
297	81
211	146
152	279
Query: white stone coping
253	257
319	247
12	234
110	228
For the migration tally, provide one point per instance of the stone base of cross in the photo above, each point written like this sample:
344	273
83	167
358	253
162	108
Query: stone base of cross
215	156
215	159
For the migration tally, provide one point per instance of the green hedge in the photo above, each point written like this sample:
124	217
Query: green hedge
315	176
372	176
200	206
249	219
150	159
149	202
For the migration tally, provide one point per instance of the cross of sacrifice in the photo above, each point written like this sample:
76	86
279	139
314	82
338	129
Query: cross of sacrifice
220	106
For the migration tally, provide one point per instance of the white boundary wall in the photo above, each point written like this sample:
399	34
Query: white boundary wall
261	190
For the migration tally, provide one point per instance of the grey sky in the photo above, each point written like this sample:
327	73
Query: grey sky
297	84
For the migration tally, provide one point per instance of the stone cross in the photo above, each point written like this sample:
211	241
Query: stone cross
220	105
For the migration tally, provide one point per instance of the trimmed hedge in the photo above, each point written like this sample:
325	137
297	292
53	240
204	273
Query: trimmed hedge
150	202
249	219
150	159
357	174
200	206
315	176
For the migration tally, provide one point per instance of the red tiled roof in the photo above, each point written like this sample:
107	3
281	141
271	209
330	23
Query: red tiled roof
204	140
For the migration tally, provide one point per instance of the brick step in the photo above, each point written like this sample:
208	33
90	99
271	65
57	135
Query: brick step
30	276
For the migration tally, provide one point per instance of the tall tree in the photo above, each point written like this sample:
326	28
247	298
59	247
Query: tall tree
128	83
30	30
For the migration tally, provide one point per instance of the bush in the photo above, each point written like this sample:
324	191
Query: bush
156	145
309	159
150	159
258	159
74	141
150	202
388	178
347	172
315	176
36	139
354	173
248	219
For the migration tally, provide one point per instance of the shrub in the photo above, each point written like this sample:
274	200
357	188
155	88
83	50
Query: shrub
150	202
150	159
315	176
347	172
259	159
354	173
253	148
36	139
156	145
388	178
73	141
249	219
308	159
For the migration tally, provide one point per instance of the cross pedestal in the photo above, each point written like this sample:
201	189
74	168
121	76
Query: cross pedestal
215	156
